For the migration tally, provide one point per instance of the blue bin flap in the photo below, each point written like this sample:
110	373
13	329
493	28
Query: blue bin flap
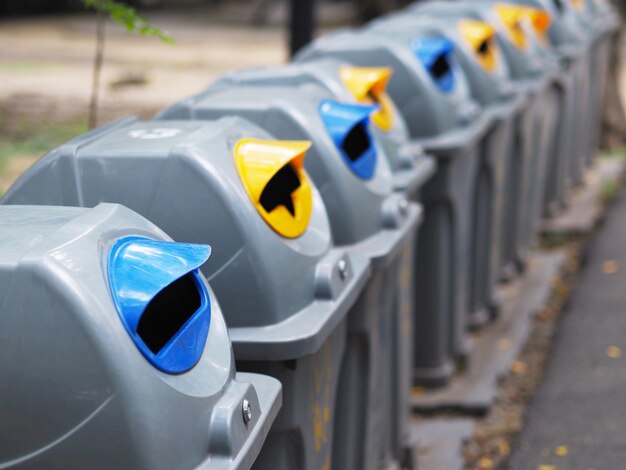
435	54
161	299
349	127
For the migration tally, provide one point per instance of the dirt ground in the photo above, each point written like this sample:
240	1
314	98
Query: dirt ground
50	60
46	68
496	431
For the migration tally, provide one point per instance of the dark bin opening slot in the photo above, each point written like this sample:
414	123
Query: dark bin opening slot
373	96
483	49
168	311
558	4
279	190
356	143
441	67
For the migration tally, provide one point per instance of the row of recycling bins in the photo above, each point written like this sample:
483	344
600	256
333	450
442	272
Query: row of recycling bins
350	258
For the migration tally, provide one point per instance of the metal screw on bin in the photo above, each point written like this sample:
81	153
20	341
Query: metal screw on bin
342	267
507	89
403	207
246	409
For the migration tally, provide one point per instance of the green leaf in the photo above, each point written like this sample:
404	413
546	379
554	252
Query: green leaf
128	18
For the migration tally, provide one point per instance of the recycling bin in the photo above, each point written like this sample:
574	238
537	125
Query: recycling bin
536	23
356	184
491	88
599	19
564	85
410	166
286	291
114	349
445	122
539	122
572	43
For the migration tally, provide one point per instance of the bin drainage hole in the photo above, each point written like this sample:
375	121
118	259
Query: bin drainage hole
168	311
441	67
356	143
279	190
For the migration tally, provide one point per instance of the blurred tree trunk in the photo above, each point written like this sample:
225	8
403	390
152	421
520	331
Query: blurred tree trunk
370	9
302	23
97	69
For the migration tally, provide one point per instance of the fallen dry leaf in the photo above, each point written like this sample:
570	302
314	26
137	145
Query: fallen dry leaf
504	448
561	451
485	462
519	367
546	467
504	344
614	352
610	267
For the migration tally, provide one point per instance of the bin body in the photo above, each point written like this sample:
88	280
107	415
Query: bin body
279	329
449	126
493	90
98	398
573	45
566	89
599	19
410	168
371	430
288	295
536	124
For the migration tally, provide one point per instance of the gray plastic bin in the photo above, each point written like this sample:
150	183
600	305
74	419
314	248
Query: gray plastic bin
447	124
601	21
356	185
491	88
286	292
99	368
538	121
572	44
537	22
410	167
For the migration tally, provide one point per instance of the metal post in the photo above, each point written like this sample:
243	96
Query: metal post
302	24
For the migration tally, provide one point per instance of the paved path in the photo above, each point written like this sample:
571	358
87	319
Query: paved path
578	417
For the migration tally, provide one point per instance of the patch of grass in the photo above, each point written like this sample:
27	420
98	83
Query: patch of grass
21	66
31	139
553	240
27	138
619	153
609	189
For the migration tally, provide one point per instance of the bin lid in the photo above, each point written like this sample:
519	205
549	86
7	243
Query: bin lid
475	50
346	82
507	21
225	183
513	17
369	86
345	162
150	280
273	174
427	109
435	53
348	125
